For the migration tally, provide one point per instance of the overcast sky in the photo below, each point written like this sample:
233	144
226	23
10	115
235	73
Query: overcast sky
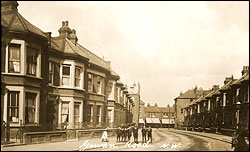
167	46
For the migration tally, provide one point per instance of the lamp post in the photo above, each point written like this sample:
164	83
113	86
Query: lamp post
238	114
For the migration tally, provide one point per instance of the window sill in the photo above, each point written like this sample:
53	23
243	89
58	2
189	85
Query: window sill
19	74
96	94
68	87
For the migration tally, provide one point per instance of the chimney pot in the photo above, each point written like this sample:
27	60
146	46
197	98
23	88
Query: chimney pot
63	23
245	70
67	23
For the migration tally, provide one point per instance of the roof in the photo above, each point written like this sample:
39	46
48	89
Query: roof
242	78
190	94
66	46
205	93
94	59
16	22
153	120
166	109
227	86
141	102
113	73
151	109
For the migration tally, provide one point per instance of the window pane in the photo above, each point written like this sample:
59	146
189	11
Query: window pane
31	61
14	58
78	72
65	112
30	107
76	113
14	52
13	106
66	70
56	79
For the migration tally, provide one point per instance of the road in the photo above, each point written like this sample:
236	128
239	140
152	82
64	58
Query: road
177	140
163	140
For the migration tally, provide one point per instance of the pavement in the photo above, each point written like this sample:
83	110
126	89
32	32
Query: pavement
95	143
69	145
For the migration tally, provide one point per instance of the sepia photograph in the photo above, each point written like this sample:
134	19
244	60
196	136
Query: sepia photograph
125	76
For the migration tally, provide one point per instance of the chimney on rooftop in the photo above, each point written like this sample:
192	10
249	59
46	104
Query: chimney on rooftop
181	93
228	79
64	31
9	7
245	70
73	38
155	104
148	105
215	87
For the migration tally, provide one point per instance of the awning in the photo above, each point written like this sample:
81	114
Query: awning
141	121
153	120
166	121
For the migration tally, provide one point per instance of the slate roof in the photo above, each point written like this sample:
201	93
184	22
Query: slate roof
242	78
16	22
151	109
190	94
94	59
66	46
114	73
205	93
166	109
227	86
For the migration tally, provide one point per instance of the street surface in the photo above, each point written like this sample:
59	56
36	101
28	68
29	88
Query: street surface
163	140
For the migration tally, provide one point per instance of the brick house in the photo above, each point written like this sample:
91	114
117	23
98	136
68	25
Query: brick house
23	74
182	101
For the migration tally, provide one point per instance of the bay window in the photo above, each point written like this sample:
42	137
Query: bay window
13	106
66	74
32	55
14	58
30	108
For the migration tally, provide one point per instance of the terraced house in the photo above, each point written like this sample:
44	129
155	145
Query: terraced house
54	83
223	109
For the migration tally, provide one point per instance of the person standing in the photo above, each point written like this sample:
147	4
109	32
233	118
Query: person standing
118	134
129	132
105	135
135	134
149	130
143	131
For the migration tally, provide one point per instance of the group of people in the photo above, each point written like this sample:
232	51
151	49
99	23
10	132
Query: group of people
125	133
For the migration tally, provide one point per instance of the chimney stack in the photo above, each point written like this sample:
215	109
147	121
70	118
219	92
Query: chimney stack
73	38
155	104
245	70
215	87
228	79
9	6
64	31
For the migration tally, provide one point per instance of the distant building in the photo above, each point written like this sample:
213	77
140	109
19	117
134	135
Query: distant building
182	101
134	92
159	116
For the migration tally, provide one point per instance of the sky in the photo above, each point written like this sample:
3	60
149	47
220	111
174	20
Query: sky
168	47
